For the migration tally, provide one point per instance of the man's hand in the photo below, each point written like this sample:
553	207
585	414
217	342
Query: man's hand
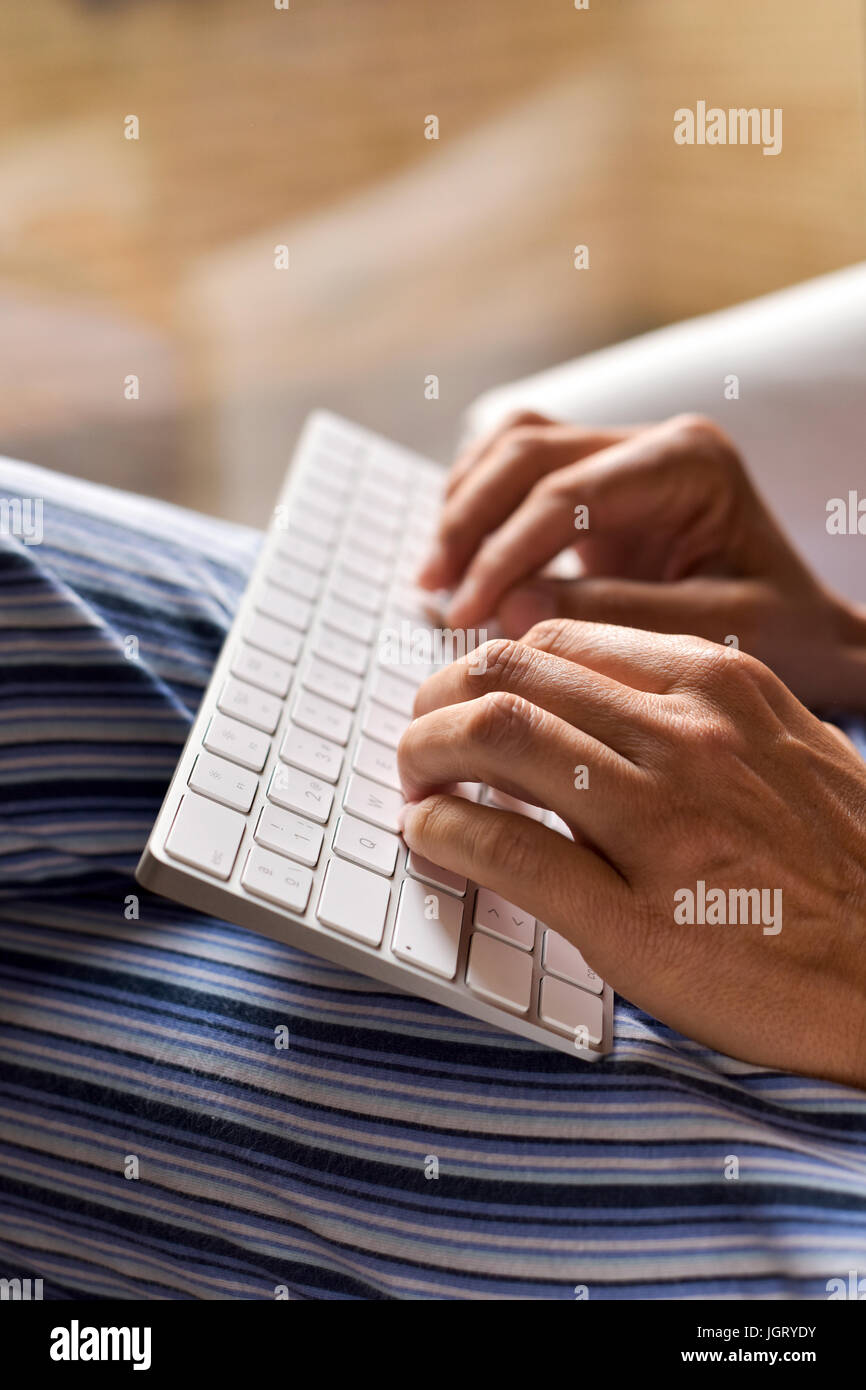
673	538
703	769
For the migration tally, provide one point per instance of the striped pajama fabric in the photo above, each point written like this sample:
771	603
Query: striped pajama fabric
138	1036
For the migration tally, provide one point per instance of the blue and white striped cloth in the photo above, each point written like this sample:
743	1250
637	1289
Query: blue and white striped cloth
147	1042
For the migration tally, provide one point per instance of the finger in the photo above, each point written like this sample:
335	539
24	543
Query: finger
613	713
567	886
496	485
667	665
659	494
708	608
628	657
531	536
506	742
477	448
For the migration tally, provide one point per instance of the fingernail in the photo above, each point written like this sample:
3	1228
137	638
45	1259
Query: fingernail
523	608
404	819
460	609
430	571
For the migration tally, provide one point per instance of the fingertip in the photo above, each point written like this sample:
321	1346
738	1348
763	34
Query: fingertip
408	821
432	568
463	610
522	608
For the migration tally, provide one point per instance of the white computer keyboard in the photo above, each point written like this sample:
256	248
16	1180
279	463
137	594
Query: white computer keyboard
282	815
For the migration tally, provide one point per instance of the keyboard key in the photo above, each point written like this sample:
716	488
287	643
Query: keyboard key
297	791
287	575
312	754
499	973
376	523
405	571
364	844
422	868
376	544
363	565
285	607
270	876
273	637
326	478
503	919
354	902
205	835
340	650
383	724
390	690
568	1009
324	530
238	742
332	682
422	522
291	545
374	803
253	706
288	834
311	500
417	606
378	762
346	442
223	782
402	664
373	499
427	930
351	621
350	589
333	468
389	470
268	672
561	958
321	717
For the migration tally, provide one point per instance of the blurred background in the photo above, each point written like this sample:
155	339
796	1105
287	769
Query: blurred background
408	257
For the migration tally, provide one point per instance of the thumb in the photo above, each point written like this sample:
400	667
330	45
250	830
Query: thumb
702	607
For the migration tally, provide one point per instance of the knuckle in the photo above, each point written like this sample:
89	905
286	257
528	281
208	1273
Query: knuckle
547	635
495	664
506	845
431	819
699	427
555	489
502	721
523	419
703	435
733	671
